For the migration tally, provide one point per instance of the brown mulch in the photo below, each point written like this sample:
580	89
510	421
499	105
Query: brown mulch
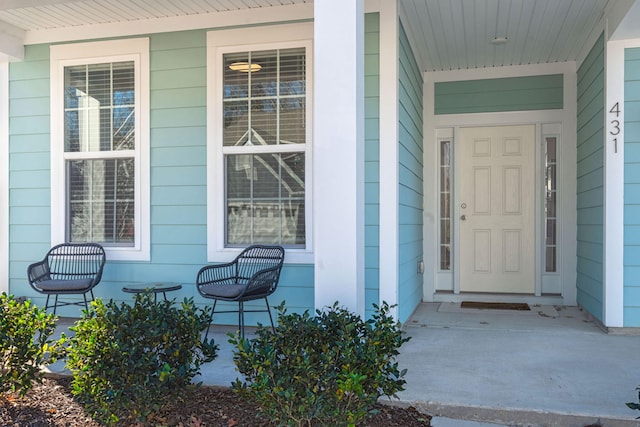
51	404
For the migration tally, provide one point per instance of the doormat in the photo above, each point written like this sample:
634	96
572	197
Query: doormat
496	305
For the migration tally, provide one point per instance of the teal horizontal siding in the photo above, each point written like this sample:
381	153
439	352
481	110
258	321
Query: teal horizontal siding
590	181
411	196
372	161
631	317
29	164
503	94
178	178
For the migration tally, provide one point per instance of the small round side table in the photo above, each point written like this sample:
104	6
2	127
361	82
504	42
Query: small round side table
154	287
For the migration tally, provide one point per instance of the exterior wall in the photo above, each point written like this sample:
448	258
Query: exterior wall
499	95
4	177
372	160
178	176
411	194
631	280
29	216
590	181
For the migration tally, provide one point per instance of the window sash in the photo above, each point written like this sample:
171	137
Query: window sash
444	207
101	201
99	118
251	103
551	205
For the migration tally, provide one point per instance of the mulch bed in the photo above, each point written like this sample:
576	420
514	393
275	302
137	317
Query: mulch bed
51	404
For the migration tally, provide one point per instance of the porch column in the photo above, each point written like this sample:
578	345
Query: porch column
389	157
338	153
613	310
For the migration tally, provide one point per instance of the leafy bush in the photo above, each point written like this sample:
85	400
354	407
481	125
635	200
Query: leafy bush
633	405
127	360
24	344
328	369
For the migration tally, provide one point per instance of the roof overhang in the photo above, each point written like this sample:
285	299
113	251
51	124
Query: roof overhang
11	42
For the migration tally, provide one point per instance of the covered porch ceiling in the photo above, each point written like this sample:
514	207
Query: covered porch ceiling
446	34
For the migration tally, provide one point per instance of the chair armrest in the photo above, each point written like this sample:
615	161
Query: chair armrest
217	274
263	282
38	271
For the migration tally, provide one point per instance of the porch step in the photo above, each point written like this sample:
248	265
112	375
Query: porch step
515	417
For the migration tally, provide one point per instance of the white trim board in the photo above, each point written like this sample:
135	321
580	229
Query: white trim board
614	184
389	156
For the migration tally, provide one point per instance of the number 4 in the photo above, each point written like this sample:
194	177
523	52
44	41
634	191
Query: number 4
615	109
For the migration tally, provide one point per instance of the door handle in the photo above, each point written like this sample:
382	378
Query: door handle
463	218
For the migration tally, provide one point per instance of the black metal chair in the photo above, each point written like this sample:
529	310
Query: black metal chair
253	275
68	269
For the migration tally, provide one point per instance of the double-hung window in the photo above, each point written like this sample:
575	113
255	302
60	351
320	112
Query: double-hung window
99	146
260	138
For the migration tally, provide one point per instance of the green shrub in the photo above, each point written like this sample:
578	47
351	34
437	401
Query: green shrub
24	344
328	369
128	360
633	405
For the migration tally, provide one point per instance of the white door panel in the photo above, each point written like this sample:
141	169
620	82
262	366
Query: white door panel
497	220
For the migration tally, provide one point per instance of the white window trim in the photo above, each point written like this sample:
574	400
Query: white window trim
136	50
238	40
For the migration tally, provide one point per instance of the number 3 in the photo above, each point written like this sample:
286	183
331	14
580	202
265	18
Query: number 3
616	127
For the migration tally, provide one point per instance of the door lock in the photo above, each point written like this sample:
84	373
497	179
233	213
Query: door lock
463	218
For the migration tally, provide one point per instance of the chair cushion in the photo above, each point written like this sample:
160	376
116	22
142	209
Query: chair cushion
223	291
65	285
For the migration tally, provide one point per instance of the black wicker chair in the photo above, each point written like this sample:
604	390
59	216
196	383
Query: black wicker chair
68	269
253	275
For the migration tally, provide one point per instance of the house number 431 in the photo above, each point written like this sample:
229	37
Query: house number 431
615	125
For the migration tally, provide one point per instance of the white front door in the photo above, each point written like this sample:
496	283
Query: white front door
497	203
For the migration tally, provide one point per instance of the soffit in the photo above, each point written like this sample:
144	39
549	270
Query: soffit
32	15
457	34
445	34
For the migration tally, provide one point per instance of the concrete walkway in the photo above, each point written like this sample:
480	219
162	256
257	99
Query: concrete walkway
546	367
472	368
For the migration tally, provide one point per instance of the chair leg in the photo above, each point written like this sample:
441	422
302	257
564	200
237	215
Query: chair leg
215	301
86	304
273	328
241	318
55	306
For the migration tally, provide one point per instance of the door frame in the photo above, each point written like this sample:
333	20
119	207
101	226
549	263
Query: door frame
564	122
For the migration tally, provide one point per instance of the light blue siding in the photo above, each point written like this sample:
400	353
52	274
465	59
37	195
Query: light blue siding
178	177
631	317
505	94
372	161
29	160
410	181
590	181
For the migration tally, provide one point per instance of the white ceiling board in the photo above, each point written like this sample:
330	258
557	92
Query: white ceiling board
445	34
537	31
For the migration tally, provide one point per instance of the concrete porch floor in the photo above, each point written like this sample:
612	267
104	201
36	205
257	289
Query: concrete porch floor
551	366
